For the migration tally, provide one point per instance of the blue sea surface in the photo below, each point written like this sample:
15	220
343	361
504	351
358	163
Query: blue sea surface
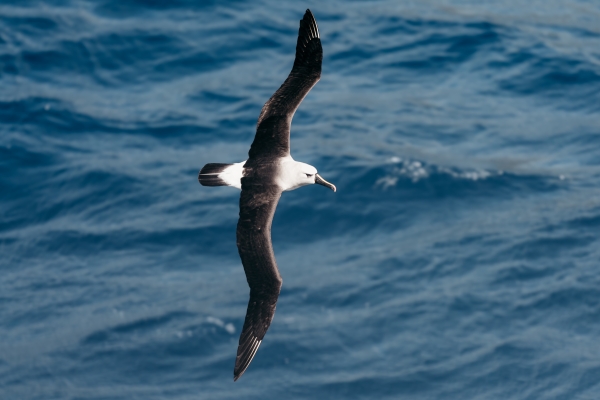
459	258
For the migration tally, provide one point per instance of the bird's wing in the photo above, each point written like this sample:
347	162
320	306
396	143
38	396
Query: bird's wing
273	128
257	207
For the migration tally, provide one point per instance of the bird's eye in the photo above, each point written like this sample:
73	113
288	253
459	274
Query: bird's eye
308	175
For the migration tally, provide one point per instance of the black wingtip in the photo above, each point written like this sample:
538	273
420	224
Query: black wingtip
245	356
309	23
308	48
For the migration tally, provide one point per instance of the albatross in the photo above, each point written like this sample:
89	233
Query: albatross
269	171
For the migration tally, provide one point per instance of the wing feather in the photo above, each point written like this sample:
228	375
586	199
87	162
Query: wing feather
260	196
257	207
273	127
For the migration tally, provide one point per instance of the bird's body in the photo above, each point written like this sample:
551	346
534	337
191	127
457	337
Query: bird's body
269	171
285	172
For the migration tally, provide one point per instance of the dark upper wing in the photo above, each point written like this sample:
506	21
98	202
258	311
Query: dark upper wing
257	207
273	128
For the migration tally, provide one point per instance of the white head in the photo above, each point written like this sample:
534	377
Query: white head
296	174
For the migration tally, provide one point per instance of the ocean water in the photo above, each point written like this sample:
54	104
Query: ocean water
459	258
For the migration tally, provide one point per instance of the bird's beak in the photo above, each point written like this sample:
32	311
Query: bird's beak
320	181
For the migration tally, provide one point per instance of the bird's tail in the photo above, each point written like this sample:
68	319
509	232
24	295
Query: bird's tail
216	174
209	174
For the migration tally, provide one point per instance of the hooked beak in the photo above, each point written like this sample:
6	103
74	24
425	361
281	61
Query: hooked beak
320	181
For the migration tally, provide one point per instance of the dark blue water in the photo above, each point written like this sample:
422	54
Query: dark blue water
459	258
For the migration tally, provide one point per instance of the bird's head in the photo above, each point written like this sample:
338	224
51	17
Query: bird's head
307	175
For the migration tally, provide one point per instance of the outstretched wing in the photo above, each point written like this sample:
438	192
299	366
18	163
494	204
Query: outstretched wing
273	128
257	207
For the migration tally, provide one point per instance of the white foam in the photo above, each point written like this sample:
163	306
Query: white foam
216	321
416	171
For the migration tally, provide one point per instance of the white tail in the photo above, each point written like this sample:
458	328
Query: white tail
215	174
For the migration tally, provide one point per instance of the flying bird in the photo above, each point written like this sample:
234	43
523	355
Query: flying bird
269	171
